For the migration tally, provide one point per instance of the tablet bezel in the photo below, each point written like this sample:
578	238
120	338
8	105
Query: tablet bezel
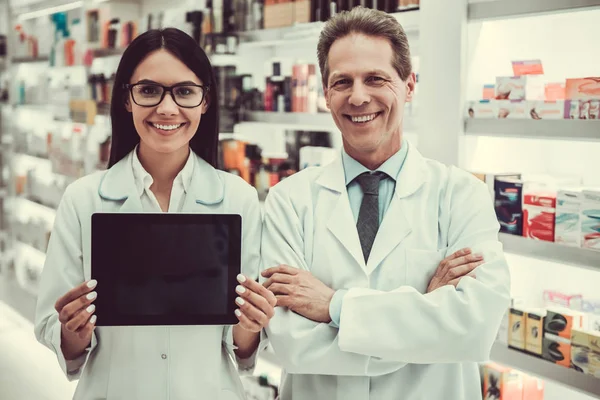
101	220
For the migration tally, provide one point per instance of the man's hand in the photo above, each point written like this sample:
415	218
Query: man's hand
299	291
455	267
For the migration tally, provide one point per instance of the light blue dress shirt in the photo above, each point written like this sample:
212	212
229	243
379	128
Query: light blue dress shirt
352	168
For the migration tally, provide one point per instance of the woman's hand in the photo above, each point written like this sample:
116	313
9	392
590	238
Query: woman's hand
75	313
256	304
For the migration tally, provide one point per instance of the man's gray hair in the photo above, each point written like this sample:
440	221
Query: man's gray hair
368	22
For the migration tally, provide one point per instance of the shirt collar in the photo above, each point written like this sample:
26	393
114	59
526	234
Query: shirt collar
391	167
143	179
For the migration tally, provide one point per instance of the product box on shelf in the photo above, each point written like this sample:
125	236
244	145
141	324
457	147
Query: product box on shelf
554	91
590	219
546	109
594	111
533	388
561	321
556	349
567	228
489	178
516	334
502	383
585	352
513	109
592	310
525	87
571	109
508	205
539	209
534	330
582	88
489	92
485	109
278	13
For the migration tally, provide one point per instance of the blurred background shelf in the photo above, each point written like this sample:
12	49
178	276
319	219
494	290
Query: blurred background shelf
42	58
541	368
550	251
564	129
305	121
519	8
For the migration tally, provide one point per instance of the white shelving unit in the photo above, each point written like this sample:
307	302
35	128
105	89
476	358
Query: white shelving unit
541	368
501	9
307	121
565	129
410	21
550	251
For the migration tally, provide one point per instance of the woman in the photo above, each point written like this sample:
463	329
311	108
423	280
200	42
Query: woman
164	151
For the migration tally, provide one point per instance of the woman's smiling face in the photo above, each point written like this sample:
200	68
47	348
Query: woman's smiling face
166	127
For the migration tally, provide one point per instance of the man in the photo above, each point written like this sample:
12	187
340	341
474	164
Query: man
352	250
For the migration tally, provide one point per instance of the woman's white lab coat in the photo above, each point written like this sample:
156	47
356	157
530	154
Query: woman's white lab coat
176	363
394	341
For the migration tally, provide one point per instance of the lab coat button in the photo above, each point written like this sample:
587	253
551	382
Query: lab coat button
164	356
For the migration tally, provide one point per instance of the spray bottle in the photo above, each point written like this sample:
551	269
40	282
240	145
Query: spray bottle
57	55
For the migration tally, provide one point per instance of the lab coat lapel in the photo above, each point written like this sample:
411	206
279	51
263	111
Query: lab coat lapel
118	185
341	220
206	188
395	226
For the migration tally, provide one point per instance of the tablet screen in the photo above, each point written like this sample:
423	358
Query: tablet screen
165	269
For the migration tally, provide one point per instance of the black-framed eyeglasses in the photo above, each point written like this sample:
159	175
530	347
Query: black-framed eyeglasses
152	94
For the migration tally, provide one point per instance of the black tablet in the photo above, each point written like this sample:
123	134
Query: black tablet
166	269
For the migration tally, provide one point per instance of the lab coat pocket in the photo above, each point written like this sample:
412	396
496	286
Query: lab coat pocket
421	266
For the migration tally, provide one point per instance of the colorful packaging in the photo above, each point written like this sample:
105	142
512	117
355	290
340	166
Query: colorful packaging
561	321
533	388
571	109
508	205
534	331
585	352
489	92
546	109
582	88
590	220
594	112
556	349
554	299
516	333
490	178
483	109
539	209
502	383
526	87
554	91
567	225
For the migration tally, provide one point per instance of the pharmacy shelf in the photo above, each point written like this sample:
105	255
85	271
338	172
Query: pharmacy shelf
100	53
18	60
563	129
541	368
501	9
293	120
550	251
16	297
410	21
24	205
304	121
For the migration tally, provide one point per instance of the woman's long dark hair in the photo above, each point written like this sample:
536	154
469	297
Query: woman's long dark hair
181	45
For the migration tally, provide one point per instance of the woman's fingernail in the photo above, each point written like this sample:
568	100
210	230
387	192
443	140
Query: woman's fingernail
91	296
92	284
241	278
240	301
93	319
90	309
240	289
238	312
479	256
